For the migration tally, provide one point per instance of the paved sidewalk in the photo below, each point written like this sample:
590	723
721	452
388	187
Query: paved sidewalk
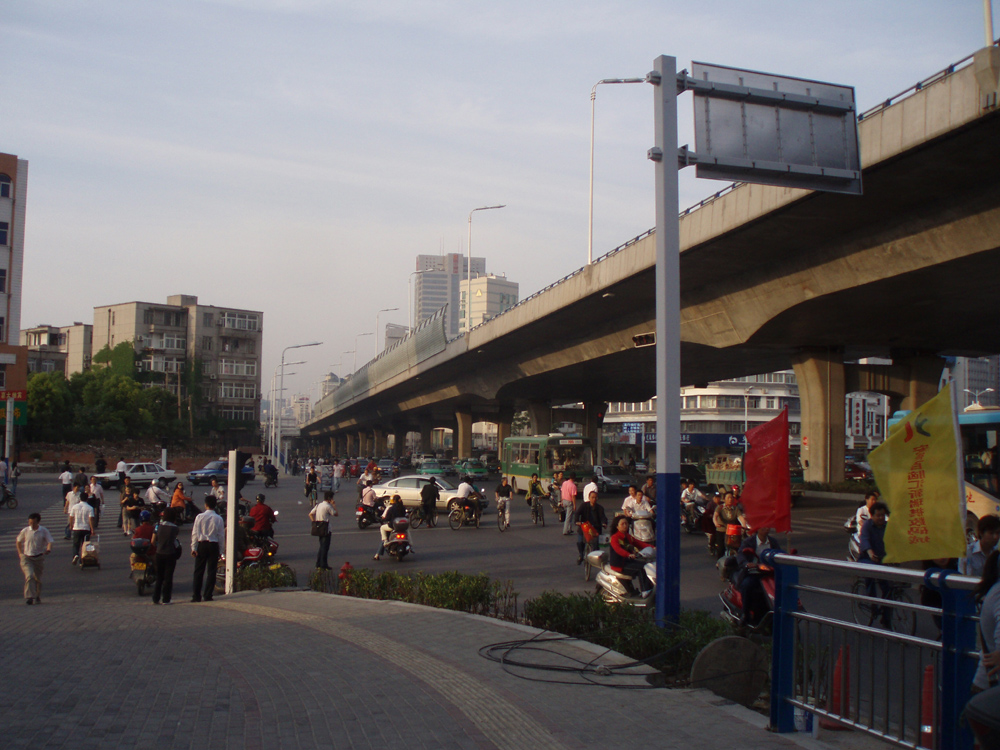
305	670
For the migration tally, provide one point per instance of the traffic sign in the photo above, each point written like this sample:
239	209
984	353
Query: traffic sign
16	395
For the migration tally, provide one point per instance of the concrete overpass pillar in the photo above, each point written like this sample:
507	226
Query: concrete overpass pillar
540	417
593	428
333	446
426	431
378	438
462	440
349	439
504	421
362	443
820	375
398	441
925	377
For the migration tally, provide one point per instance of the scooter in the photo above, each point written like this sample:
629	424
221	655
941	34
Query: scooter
369	514
143	566
692	523
270	480
854	538
761	612
644	526
618	587
398	545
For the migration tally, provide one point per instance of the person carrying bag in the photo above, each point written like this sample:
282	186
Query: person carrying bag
321	516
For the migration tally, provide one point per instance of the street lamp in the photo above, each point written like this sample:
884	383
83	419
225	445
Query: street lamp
468	293
356	348
975	393
272	425
746	411
385	309
593	99
294	346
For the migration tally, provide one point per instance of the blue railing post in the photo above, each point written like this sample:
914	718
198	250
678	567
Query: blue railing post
958	638
786	601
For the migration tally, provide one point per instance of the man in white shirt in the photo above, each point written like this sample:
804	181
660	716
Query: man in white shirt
338	474
635	502
71	498
208	532
33	543
324	511
66	480
468	493
155	494
988	533
217	491
591	486
82	515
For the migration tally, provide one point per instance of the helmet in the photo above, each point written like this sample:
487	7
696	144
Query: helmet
260	497
145	515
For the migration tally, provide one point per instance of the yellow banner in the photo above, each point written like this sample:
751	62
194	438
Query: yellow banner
917	470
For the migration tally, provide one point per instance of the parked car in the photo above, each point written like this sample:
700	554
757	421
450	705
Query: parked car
491	462
217	470
140	474
856	472
473	471
448	467
612	478
408	488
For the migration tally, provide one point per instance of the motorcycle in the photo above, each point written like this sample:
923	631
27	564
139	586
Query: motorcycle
692	522
735	534
616	587
270	480
644	526
8	498
369	514
464	515
398	545
761	611
854	538
142	564
243	507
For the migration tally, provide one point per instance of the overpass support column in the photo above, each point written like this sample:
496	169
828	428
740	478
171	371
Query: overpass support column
398	441
333	446
504	421
594	427
362	443
925	377
378	437
462	441
540	417
820	375
426	433
349	438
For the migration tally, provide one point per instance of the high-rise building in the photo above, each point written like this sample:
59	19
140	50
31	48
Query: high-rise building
13	196
977	380
227	342
491	295
65	349
439	280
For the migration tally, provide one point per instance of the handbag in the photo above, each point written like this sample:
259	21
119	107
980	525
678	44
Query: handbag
177	550
320	528
589	532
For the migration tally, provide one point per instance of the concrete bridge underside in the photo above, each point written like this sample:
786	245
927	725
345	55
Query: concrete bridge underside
770	279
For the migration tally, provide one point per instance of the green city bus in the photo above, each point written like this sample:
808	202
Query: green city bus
544	455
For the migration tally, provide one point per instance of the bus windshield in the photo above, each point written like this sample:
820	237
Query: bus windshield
577	457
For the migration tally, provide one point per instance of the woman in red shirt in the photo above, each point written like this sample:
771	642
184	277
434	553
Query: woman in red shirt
625	558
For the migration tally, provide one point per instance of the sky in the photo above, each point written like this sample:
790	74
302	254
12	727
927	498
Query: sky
294	156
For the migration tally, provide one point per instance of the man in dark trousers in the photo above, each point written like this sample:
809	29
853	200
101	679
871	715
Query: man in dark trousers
208	533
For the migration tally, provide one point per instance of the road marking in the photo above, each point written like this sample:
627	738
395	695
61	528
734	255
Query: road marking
486	709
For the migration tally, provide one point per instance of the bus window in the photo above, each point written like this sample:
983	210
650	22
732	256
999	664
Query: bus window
532	454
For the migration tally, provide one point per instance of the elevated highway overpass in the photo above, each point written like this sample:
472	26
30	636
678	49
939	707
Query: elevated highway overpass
771	278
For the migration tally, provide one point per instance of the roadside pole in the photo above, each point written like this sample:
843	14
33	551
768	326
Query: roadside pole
668	335
232	511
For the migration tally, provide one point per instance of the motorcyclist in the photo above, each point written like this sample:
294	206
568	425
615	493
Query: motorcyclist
393	511
271	472
157	493
635	502
430	493
368	497
747	576
469	497
691	497
263	517
145	530
624	557
727	514
217	491
592	513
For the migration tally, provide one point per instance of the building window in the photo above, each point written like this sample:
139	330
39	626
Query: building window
48	365
147	317
206	343
206	368
250	347
237	390
240	414
4	186
4	228
207	319
236	367
241	321
3	376
3	280
3	329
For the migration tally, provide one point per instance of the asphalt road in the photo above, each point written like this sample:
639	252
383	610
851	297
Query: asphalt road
536	559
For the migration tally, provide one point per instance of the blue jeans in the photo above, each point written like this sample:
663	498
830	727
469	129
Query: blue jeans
568	523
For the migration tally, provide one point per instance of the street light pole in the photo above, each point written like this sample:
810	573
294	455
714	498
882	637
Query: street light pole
975	393
746	411
385	309
593	99
468	271
295	346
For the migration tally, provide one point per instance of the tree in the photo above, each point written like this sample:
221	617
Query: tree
50	405
120	360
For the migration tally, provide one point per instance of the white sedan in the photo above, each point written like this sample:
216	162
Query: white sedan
408	488
140	474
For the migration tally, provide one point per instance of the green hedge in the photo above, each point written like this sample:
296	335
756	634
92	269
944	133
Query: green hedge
475	594
262	577
626	629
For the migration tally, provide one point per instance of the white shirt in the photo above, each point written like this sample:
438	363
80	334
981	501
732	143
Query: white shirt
973	562
72	498
81	513
219	492
464	490
34	541
120	467
155	495
66	477
338	471
591	487
97	491
322	512
861	516
632	504
207	527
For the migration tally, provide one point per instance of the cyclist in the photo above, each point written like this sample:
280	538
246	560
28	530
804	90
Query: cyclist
469	497
872	552
503	500
430	493
535	491
312	484
592	513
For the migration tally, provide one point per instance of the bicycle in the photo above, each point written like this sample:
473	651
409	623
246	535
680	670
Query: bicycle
901	620
311	493
503	523
537	511
459	518
417	517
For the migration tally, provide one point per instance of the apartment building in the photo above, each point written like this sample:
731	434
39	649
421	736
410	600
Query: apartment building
65	349
227	342
491	295
439	281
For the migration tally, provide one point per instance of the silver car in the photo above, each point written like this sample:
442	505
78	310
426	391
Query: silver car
408	488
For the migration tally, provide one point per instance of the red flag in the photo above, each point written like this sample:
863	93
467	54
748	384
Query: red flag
767	494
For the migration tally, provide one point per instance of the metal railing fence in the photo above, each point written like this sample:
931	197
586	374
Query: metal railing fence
902	688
